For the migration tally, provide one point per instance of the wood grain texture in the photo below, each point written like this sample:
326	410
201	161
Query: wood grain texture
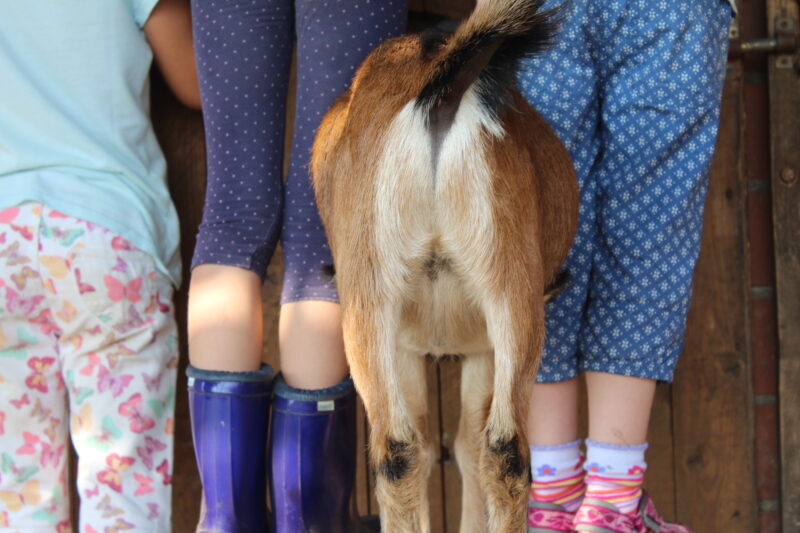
180	133
712	399
435	488
660	479
784	84
450	382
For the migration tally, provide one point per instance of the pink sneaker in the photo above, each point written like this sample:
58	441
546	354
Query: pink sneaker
548	517
602	517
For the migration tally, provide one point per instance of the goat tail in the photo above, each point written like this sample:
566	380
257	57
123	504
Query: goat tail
487	49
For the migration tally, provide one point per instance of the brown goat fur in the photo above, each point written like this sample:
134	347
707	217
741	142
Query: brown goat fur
449	205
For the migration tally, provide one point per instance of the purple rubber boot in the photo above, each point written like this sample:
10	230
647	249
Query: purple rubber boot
313	460
230	413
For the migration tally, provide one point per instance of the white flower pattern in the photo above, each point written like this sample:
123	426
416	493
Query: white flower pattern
633	89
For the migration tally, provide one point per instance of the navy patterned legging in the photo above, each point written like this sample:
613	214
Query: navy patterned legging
244	52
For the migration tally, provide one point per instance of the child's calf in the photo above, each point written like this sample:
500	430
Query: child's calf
449	205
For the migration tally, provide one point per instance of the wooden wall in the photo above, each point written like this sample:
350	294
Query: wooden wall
701	454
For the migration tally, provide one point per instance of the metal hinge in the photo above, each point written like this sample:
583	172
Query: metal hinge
784	43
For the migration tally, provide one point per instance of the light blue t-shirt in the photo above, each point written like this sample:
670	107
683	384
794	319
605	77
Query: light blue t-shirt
75	131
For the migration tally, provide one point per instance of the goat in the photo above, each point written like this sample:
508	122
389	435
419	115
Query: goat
449	205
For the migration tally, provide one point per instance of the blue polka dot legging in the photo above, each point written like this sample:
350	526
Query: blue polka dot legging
633	89
244	51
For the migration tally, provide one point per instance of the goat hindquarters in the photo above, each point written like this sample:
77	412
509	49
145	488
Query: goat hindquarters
448	204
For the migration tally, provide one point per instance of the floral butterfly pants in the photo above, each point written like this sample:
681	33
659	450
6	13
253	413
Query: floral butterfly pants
88	344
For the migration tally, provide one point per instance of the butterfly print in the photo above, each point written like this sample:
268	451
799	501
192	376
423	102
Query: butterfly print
83	288
38	380
106	509
111	476
29	448
12	256
15	501
22	401
153	514
51	455
2	423
39	412
116	385
119	243
91	493
46	323
21	475
108	432
118	525
64	237
152	383
121	266
88	370
134	322
82	420
16	303
50	431
8	214
20	279
118	290
145	452
139	422
164	470
145	485
50	285
26	232
56	265
56	214
67	312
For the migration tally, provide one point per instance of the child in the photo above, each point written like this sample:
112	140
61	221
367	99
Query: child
88	261
244	51
633	89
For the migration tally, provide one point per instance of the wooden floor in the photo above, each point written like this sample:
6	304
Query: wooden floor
701	453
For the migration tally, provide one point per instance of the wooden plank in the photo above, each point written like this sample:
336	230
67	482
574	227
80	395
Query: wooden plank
784	85
660	479
435	488
450	380
712	396
180	133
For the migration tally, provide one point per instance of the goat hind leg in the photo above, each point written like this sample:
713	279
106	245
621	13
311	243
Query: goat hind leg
504	452
394	392
476	394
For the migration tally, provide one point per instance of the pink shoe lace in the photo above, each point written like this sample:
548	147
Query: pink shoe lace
603	517
546	517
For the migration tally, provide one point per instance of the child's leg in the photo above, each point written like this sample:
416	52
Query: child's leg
661	92
562	85
332	40
33	416
311	345
619	408
556	456
553	413
118	346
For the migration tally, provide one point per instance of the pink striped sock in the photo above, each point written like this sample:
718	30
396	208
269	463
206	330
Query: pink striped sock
615	474
558	474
